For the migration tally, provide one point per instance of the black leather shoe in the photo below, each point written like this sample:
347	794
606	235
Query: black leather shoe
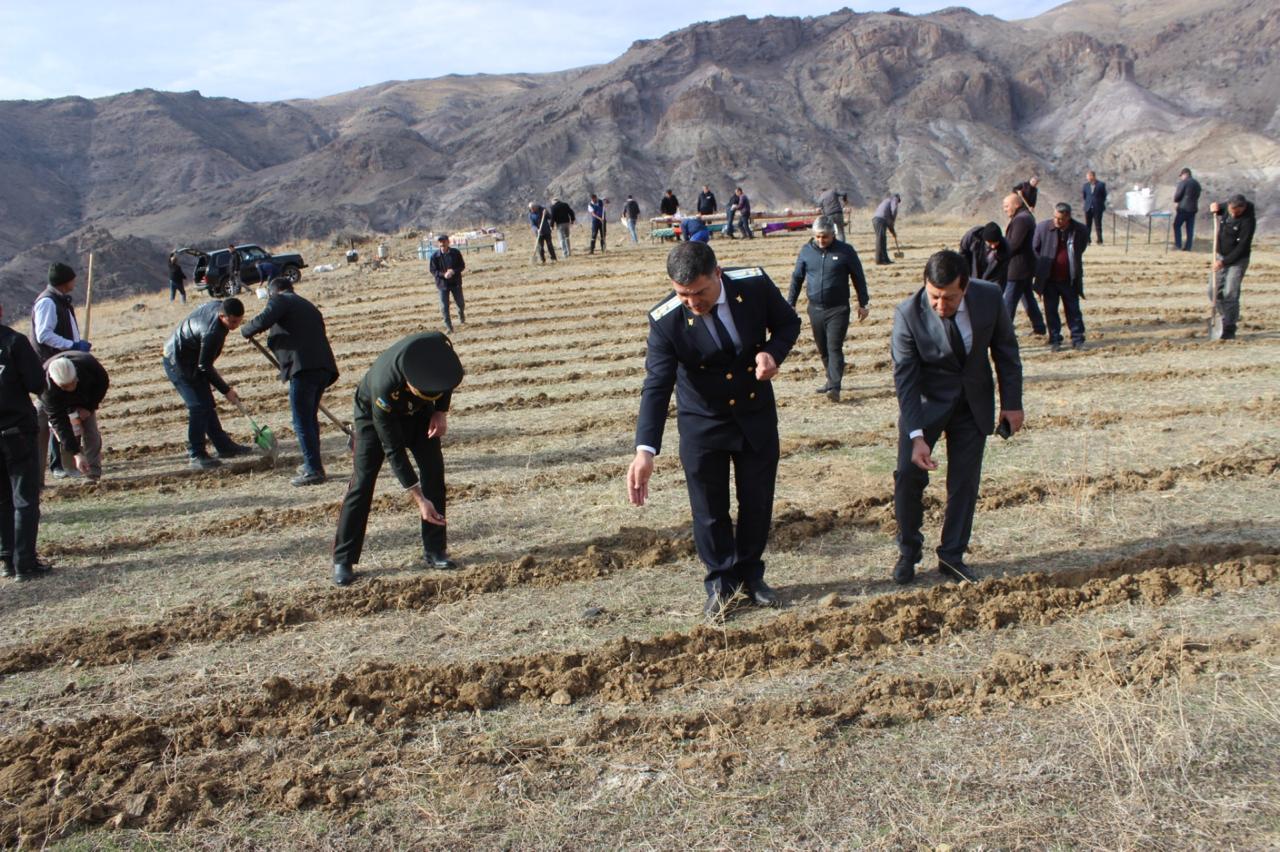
235	451
342	574
905	571
834	395
955	569
438	562
760	594
31	572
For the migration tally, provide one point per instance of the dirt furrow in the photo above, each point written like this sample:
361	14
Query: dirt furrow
64	776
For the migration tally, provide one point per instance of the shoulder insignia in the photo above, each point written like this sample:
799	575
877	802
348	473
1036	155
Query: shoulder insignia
740	274
739	298
395	395
382	403
665	308
690	320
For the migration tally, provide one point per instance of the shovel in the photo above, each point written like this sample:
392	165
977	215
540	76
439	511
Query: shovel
261	434
266	353
897	249
1215	313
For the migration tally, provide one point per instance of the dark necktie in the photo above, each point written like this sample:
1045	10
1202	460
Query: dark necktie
953	335
722	334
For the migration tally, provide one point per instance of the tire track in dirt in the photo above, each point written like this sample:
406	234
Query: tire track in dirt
83	773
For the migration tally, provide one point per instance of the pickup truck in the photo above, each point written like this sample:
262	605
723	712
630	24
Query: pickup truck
213	268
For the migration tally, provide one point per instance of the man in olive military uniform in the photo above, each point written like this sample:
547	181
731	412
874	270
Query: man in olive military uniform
717	340
401	407
20	376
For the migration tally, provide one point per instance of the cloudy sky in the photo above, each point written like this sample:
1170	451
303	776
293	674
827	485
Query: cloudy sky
262	51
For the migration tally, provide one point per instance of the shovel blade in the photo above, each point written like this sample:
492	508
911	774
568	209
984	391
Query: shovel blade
1215	326
264	438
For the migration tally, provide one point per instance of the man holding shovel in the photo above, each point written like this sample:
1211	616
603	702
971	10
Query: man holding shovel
302	352
1234	244
188	362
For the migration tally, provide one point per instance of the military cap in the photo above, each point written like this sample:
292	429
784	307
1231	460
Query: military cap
430	364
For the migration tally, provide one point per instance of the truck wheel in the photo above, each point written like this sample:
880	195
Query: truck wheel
292	273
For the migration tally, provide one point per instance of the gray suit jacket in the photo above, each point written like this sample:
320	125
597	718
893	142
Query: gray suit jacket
930	379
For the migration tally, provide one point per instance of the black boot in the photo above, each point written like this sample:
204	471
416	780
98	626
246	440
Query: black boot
1228	332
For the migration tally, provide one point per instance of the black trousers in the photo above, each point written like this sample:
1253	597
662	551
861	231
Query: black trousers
732	556
1093	221
366	463
544	246
965	446
19	499
882	240
830	326
597	229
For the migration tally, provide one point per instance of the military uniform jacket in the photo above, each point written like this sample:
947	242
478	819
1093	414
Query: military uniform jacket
719	402
383	396
20	376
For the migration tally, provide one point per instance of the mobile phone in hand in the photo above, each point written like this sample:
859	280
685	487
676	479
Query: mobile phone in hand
1003	429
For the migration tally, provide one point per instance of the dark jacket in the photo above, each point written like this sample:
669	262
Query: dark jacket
384	398
984	263
562	214
931	381
707	203
63	325
1187	195
91	388
540	220
631	210
719	402
668	205
20	376
831	203
297	337
828	273
1018	234
1029	193
1044	242
196	343
743	205
441	262
1094	197
1235	236
176	273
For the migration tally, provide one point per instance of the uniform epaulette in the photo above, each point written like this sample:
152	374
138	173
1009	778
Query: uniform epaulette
739	274
665	307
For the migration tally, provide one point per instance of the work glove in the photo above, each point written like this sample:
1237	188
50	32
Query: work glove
82	346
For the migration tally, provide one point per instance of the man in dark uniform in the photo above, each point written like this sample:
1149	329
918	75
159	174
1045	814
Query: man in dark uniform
188	360
20	376
718	340
401	407
941	338
298	340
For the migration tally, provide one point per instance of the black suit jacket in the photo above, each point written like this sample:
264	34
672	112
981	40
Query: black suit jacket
930	379
297	336
1094	197
1018	233
719	402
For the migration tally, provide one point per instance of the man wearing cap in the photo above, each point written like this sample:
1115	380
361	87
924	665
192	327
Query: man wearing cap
189	354
298	340
717	340
54	330
829	265
77	384
401	407
447	266
883	221
20	376
563	218
987	253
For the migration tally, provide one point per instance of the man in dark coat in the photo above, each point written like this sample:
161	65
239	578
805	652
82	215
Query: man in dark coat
717	340
669	205
540	222
447	266
401	408
986	253
76	386
740	210
1059	244
707	205
941	337
829	266
883	222
563	218
176	279
1022	262
599	224
831	204
54	329
1094	194
301	347
1186	198
20	377
1235	246
189	354
1029	190
630	213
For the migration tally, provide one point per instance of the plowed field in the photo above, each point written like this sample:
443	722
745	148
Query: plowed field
188	676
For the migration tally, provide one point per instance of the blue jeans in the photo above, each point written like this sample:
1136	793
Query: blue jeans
1188	218
305	390
202	412
456	290
1053	292
631	227
1015	290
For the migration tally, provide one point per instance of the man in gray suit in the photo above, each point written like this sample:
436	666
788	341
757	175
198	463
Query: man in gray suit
941	337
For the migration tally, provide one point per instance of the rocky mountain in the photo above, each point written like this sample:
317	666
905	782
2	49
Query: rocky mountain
948	108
